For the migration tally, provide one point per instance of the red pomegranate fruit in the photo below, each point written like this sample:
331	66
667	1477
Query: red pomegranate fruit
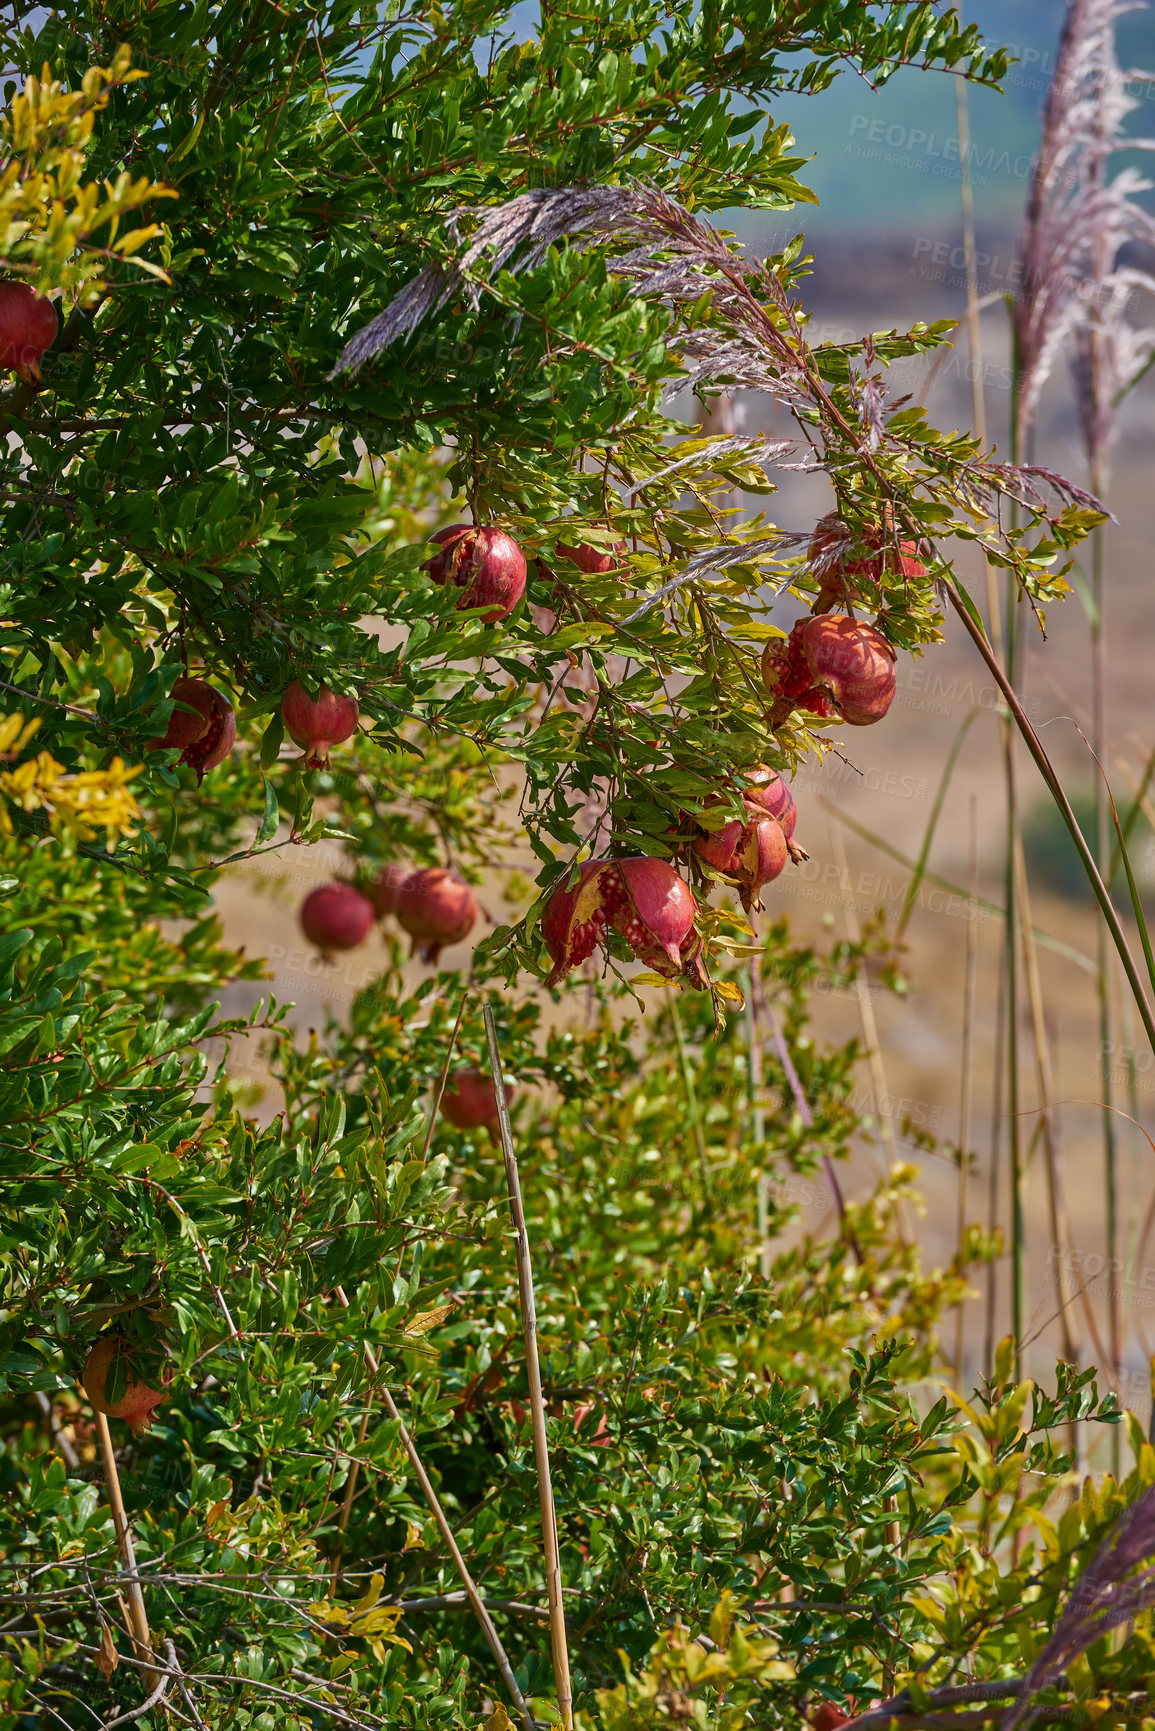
336	917
600	1437
203	724
138	1402
28	326
767	789
832	665
643	899
385	891
436	907
837	559
470	1100
594	560
750	855
827	1717
318	723
487	565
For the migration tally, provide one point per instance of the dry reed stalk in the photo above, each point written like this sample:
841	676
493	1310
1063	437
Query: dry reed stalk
1058	793
476	1602
866	1010
967	1079
536	1404
355	1468
1060	1222
757	1114
802	1105
138	1616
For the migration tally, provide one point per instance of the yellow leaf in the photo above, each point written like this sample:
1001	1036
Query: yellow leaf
424	1320
498	1720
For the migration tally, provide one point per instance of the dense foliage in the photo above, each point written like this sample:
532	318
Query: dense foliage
202	484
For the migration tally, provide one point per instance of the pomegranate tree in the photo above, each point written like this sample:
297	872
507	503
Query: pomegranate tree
486	564
203	724
138	1402
470	1100
28	326
643	899
318	723
831	665
436	907
837	559
336	917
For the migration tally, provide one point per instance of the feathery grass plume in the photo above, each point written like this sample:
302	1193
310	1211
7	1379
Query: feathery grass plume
1102	1599
758	341
1077	219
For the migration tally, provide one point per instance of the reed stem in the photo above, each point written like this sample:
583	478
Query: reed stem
536	1404
966	1092
138	1616
477	1604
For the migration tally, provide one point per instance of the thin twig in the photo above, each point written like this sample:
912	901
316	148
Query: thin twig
536	1404
150	1702
436	1106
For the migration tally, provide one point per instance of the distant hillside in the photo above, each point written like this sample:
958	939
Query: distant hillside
890	158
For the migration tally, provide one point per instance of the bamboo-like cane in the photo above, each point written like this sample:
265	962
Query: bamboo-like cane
477	1604
536	1405
966	1094
351	1486
138	1617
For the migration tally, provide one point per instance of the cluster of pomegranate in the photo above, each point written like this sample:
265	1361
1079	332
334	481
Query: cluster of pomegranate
203	724
751	853
138	1402
28	326
642	899
434	906
832	664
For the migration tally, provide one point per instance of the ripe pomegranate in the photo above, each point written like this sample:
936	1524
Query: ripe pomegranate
470	1100
750	854
831	556
436	907
208	734
138	1402
28	326
384	892
487	564
827	1717
831	665
336	917
601	1438
318	722
767	789
594	560
643	899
